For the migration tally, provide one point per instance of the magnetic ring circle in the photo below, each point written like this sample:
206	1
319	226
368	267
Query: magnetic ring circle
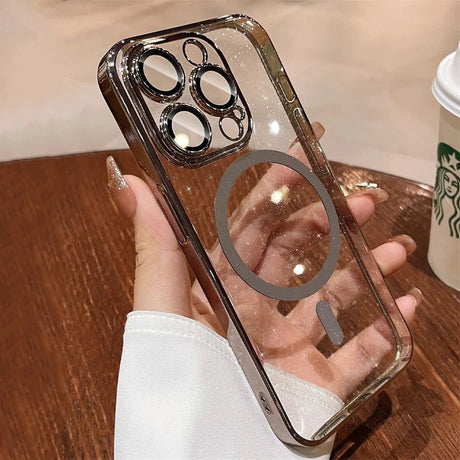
195	52
161	75
185	128
213	88
223	233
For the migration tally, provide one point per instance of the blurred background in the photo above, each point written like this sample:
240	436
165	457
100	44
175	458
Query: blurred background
362	68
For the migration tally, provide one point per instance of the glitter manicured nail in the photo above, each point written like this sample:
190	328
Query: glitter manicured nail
119	188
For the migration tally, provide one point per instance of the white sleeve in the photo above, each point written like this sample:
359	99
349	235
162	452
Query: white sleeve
182	394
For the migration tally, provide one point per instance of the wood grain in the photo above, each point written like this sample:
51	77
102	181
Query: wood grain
66	276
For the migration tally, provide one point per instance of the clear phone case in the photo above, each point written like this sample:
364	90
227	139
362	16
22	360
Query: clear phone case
215	124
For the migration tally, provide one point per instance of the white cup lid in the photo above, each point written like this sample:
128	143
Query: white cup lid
446	85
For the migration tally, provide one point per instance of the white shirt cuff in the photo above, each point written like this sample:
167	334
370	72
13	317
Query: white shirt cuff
182	394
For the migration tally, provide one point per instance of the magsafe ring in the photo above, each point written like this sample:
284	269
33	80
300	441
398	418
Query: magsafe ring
223	232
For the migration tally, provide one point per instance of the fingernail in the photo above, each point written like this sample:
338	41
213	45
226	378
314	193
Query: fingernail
406	241
119	188
318	129
416	294
378	195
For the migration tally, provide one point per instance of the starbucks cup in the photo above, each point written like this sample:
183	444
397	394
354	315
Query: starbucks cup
444	249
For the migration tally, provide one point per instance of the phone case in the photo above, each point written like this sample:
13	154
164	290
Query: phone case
212	119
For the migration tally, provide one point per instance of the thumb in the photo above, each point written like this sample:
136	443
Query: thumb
162	280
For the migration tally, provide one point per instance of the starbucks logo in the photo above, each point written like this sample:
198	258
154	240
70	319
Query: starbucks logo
447	189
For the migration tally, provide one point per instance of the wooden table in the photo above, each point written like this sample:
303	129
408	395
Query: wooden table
66	276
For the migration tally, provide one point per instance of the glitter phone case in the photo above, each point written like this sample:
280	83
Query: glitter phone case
212	119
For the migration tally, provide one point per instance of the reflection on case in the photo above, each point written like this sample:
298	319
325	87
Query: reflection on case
211	117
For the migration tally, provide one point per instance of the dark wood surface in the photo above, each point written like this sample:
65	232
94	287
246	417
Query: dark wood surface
66	276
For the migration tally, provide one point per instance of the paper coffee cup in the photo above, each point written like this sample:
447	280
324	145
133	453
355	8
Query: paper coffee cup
444	248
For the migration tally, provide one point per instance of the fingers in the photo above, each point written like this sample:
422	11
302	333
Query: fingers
300	233
348	284
161	280
367	349
318	129
390	258
251	224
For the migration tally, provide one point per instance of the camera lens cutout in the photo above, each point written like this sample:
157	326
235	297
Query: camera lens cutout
195	52
213	89
162	77
185	128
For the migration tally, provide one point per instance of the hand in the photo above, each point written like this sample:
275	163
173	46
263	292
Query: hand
299	332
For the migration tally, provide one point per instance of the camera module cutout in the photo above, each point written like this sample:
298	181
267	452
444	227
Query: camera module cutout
199	124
